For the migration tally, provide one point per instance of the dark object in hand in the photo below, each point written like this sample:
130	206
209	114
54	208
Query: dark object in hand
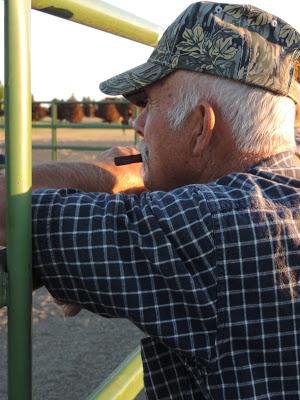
123	160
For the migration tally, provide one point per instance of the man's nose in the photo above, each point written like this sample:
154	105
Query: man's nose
138	125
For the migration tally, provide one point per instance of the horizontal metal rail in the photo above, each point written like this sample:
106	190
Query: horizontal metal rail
112	100
100	15
65	147
65	125
69	147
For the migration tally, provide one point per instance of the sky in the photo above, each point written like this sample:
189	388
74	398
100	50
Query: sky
68	58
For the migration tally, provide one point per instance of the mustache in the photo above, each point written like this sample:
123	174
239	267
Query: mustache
143	149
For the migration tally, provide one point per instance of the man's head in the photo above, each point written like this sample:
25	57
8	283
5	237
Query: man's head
196	128
229	70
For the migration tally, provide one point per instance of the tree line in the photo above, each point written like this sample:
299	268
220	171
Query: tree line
74	111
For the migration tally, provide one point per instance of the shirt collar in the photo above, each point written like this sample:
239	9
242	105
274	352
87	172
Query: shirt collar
283	166
285	159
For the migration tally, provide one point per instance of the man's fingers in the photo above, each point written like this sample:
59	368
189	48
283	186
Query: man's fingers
118	151
70	310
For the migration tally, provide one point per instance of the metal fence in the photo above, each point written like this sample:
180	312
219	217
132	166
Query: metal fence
55	125
16	279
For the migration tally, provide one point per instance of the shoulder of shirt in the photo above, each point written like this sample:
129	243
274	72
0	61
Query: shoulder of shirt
235	191
230	193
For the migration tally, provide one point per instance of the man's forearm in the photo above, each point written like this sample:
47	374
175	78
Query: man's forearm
82	176
104	176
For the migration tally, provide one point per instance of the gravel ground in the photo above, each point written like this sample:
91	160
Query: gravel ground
71	356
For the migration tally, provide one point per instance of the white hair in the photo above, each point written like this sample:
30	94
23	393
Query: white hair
260	121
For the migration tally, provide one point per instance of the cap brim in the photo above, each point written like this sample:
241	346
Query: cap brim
135	79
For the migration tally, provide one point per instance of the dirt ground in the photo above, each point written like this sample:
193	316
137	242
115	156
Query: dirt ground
78	137
71	357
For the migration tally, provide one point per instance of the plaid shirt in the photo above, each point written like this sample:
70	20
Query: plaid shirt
209	272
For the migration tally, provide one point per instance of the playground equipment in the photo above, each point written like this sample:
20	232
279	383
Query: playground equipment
16	280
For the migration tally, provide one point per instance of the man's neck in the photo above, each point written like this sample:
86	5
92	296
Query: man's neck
215	166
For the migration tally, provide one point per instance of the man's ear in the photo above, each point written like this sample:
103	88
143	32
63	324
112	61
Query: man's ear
203	127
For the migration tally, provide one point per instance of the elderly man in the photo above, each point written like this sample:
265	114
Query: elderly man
206	262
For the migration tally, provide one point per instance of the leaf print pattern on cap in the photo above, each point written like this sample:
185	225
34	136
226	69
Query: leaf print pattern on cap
193	43
263	65
238	42
210	51
258	17
223	48
234	11
289	35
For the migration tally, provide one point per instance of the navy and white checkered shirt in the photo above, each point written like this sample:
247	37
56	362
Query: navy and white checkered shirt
210	273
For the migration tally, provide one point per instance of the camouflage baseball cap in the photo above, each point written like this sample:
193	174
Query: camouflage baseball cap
239	42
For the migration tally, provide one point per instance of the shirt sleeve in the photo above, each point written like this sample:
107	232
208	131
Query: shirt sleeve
147	258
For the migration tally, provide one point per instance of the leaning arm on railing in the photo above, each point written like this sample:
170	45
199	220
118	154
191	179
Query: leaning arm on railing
101	177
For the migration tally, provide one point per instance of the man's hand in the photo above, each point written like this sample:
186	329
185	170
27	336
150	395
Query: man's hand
128	178
69	310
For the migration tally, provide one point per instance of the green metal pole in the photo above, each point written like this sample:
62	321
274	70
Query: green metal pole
18	186
54	131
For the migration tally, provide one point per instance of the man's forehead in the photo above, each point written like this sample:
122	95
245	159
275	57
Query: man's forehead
139	98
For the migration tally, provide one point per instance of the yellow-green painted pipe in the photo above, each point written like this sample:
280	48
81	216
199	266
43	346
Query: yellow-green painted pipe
100	15
125	382
18	195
